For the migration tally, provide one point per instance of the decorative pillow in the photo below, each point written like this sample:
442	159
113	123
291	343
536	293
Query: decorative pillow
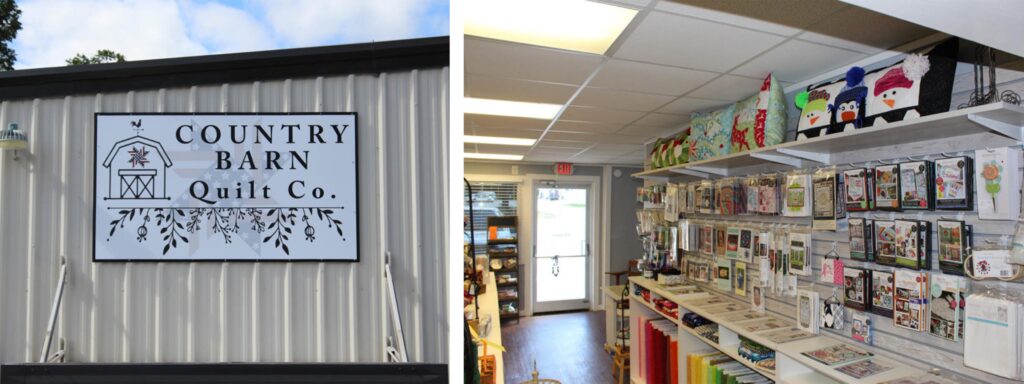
919	85
665	152
848	107
655	154
815	109
681	149
714	133
760	121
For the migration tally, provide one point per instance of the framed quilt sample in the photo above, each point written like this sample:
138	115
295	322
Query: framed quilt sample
827	204
885	242
857	288
862	244
954	187
887	187
859	186
883	286
911	300
916	192
954	241
797	195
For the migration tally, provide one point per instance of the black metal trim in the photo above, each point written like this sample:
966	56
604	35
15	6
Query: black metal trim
359	239
216	373
374	57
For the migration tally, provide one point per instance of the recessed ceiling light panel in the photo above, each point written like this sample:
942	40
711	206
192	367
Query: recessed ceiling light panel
492	156
510	108
575	25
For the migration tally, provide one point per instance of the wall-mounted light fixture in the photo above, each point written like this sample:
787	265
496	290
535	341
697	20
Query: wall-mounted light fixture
13	138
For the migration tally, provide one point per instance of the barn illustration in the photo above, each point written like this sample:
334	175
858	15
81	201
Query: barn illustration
137	169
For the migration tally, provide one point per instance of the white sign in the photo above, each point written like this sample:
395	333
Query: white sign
225	187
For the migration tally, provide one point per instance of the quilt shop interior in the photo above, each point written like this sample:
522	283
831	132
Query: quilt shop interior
743	192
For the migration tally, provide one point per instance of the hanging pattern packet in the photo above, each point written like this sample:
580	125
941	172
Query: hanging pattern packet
859	184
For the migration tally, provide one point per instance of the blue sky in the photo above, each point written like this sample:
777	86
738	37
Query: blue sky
54	30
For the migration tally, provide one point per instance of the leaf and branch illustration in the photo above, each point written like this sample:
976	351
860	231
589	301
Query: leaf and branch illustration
271	224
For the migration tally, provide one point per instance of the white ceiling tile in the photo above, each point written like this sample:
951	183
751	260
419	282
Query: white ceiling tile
546	143
617	147
503	122
488	87
645	131
593	137
783	17
849	29
600	115
518	61
670	39
649	78
688	105
729	88
663	120
587	127
796	61
610	98
629	3
501	132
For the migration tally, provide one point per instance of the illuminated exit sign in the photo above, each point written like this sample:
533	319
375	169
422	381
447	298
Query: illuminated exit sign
563	169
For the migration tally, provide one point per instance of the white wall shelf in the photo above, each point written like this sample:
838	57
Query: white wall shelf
791	365
991	125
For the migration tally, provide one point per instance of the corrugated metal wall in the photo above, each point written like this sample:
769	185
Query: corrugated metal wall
217	312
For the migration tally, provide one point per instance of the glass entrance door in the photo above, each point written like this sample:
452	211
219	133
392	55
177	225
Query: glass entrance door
562	254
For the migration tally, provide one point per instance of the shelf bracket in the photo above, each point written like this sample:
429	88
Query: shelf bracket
806	155
690	172
780	159
1002	128
713	171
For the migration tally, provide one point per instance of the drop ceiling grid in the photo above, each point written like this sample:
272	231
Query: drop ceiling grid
649	108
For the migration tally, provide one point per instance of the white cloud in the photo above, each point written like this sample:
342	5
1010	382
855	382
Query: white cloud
327	22
227	29
55	30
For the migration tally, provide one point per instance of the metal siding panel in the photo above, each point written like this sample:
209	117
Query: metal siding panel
176	312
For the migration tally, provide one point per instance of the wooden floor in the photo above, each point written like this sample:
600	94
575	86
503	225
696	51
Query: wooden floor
568	347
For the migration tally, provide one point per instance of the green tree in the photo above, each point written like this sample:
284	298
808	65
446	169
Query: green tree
101	57
9	26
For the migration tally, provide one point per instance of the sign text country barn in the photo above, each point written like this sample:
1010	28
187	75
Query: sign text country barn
226	187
